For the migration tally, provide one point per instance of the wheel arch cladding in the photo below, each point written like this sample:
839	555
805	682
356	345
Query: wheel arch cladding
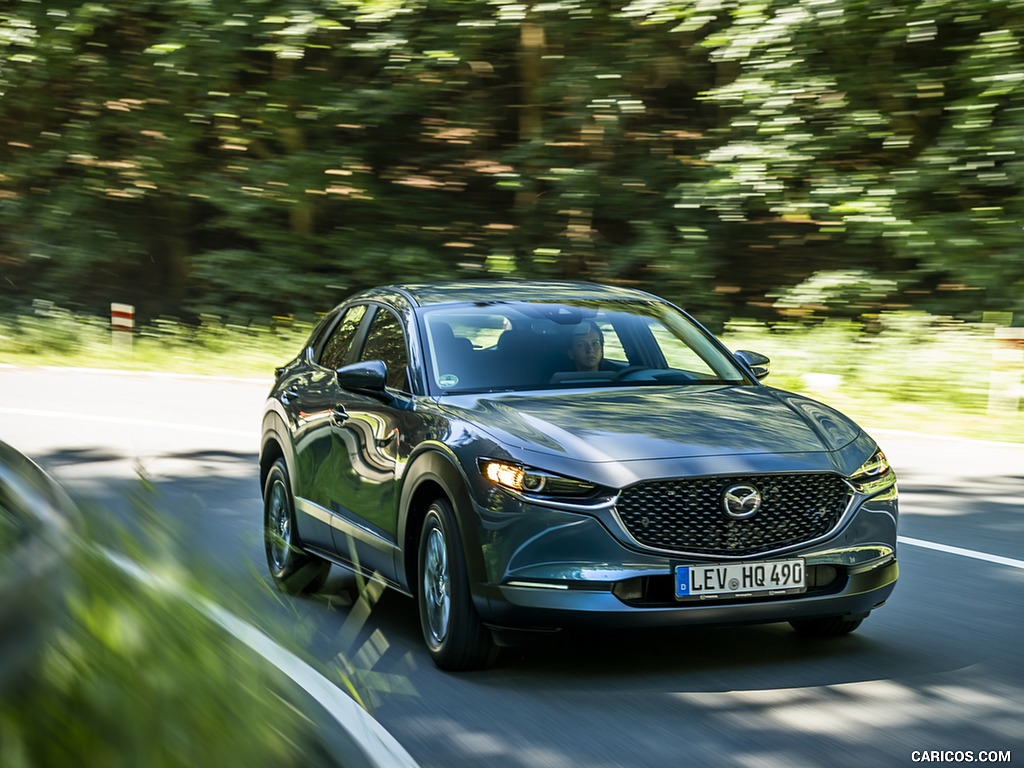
271	452
432	475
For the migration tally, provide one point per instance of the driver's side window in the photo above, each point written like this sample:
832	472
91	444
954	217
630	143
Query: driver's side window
386	341
335	351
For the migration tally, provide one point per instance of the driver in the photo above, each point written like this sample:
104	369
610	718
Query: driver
586	347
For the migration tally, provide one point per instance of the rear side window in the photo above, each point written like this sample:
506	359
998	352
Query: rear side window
386	341
335	352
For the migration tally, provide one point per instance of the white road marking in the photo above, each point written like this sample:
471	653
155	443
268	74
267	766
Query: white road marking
999	559
379	746
129	422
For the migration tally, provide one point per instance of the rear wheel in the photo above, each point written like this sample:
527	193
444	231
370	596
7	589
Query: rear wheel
828	626
452	630
294	571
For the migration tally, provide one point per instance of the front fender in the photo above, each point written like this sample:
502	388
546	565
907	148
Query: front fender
434	469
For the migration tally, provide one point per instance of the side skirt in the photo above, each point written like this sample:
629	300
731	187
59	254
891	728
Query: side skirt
335	559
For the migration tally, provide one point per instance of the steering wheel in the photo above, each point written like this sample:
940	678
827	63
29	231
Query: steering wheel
628	371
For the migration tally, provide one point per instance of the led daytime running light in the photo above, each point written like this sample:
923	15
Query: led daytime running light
876	466
874	474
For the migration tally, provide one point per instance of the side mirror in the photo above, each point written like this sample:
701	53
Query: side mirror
368	376
756	363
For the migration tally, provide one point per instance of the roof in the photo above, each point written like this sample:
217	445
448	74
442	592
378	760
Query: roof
510	290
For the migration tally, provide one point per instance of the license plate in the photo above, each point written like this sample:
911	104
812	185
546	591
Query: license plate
711	582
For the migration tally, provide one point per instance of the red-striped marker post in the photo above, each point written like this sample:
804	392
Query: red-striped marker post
122	325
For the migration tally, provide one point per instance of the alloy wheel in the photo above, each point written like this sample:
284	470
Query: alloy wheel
279	525
436	586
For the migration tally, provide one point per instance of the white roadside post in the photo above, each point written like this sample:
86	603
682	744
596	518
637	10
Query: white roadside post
122	326
1005	382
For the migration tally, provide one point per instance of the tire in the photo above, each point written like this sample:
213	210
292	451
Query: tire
828	626
293	570
455	637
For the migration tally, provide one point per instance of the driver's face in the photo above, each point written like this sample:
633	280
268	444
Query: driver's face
586	350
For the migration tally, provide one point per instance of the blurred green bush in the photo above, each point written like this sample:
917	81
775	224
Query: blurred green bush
52	335
134	677
135	672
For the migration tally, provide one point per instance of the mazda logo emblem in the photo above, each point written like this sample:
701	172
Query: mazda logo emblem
741	501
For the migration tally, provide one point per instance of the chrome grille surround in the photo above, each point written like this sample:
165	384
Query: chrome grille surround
685	515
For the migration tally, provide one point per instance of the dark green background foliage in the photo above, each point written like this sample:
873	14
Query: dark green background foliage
257	157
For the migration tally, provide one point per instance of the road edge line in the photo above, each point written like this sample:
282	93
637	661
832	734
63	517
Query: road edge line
998	559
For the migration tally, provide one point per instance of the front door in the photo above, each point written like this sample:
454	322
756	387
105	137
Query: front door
369	438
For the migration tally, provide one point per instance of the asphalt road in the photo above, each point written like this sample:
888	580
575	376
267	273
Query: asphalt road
937	670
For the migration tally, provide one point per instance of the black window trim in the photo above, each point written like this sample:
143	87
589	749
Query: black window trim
357	338
359	342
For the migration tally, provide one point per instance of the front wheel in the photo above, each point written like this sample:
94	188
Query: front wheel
456	638
293	570
829	626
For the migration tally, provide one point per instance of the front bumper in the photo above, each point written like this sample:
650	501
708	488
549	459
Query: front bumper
525	606
550	569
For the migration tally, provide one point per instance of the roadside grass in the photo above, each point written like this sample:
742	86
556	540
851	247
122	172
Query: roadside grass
56	337
910	371
907	371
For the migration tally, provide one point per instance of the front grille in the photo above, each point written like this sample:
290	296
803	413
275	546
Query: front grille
686	515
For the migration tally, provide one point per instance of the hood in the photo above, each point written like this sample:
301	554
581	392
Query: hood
643	423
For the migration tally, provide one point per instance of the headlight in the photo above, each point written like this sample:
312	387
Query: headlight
533	482
874	474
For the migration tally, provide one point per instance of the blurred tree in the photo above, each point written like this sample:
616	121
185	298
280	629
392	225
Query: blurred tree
870	135
266	157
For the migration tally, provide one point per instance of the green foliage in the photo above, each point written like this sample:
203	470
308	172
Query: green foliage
834	293
903	369
266	158
138	668
57	336
10	530
132	676
883	130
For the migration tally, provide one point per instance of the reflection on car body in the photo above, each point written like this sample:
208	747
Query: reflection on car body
537	456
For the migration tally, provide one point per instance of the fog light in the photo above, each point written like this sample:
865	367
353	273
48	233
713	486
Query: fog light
821	575
630	590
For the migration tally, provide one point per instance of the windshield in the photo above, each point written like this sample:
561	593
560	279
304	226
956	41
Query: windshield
505	346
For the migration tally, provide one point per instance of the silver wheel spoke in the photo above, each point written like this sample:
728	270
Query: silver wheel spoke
279	524
436	587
